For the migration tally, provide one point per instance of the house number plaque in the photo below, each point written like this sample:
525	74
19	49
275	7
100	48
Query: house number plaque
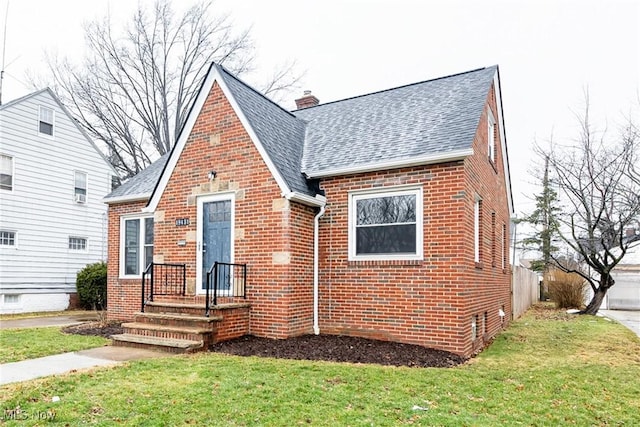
181	222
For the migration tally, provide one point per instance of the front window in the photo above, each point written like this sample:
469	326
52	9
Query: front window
136	245
45	123
6	172
386	225
7	238
78	243
80	187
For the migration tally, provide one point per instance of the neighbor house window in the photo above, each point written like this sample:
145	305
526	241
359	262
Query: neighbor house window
136	246
7	238
78	243
80	187
11	299
45	123
6	172
477	230
386	224
491	136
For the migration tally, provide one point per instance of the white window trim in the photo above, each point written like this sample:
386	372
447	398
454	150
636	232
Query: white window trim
86	244
121	261
13	173
15	239
53	120
231	196
491	135
476	228
384	192
86	188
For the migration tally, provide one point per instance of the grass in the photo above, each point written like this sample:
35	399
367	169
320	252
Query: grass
546	369
22	344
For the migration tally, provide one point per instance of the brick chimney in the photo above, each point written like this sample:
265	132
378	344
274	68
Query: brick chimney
307	100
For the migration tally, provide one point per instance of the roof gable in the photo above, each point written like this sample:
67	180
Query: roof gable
271	129
55	98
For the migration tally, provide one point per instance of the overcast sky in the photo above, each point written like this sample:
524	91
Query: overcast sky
548	52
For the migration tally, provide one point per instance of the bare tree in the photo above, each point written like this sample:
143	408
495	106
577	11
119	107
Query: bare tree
599	184
134	89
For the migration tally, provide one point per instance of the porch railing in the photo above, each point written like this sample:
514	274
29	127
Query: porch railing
163	279
225	280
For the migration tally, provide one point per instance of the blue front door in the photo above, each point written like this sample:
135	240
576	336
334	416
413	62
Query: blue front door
216	241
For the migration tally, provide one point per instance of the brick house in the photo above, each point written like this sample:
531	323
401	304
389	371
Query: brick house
383	216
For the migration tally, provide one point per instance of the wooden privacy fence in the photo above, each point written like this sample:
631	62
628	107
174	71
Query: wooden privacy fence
525	290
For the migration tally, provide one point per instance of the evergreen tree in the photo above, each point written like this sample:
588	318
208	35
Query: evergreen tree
543	219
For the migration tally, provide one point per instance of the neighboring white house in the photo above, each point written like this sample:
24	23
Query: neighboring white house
52	219
625	294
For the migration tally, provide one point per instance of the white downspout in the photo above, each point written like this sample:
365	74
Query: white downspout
316	221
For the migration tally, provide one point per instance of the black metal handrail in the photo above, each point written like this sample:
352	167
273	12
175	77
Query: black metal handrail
163	279
226	280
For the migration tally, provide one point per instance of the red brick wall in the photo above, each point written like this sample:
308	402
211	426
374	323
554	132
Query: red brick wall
429	302
123	296
489	284
272	236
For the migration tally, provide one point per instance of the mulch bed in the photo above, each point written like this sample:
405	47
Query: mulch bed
94	328
331	348
335	348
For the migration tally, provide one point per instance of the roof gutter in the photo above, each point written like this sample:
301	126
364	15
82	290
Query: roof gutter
317	201
448	156
129	198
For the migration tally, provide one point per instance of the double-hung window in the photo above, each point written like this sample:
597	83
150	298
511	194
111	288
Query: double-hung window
477	230
45	121
136	245
491	136
385	224
80	187
6	172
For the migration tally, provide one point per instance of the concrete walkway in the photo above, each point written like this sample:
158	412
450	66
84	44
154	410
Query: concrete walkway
40	322
67	362
62	363
628	318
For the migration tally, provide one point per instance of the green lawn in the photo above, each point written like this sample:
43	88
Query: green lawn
21	344
544	370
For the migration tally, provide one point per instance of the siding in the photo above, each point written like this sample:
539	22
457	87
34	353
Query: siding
41	207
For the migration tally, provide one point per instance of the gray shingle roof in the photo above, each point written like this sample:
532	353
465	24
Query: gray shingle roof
431	117
279	131
142	184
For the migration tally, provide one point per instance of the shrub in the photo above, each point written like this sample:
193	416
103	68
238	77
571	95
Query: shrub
91	284
566	290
